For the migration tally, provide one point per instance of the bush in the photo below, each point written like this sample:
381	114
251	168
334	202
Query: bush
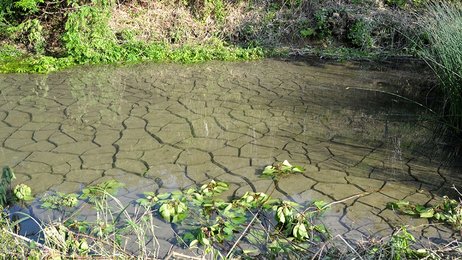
88	37
360	35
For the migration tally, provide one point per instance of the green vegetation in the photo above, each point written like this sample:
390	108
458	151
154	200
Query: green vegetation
133	52
87	38
448	211
8	196
442	27
39	36
279	170
360	35
248	226
215	224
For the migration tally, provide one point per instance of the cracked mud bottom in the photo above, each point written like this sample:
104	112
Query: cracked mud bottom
163	127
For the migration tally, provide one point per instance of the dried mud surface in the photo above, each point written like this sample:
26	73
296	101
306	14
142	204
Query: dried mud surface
163	127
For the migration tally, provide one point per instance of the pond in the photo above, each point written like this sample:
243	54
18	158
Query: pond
157	127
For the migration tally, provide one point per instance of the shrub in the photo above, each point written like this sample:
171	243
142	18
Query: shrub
360	34
88	37
29	32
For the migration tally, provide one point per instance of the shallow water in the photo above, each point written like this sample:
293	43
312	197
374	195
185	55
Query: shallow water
163	127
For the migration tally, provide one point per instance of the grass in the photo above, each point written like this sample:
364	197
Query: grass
13	61
113	231
442	24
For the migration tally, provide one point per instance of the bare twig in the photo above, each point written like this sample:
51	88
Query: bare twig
349	246
28	240
243	234
339	201
396	95
183	256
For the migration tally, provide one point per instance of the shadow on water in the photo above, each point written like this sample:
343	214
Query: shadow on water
421	92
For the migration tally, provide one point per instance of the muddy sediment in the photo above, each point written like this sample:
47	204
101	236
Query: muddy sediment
164	127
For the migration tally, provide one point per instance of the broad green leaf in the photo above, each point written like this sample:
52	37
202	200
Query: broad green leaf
223	184
254	252
181	207
238	219
166	211
228	207
321	229
280	215
287	212
193	243
421	252
320	204
190	191
420	208
163	196
177	218
428	213
269	170
286	163
398	205
439	216
295	230
205	241
302	232
228	230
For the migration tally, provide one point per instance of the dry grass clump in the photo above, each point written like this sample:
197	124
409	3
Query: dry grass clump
366	24
158	22
260	22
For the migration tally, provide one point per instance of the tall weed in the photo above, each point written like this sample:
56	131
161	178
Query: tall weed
442	25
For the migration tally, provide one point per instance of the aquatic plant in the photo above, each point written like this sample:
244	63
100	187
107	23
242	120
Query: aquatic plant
106	235
9	196
253	224
448	211
215	223
281	169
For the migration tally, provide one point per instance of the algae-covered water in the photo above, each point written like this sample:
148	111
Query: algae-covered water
162	127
